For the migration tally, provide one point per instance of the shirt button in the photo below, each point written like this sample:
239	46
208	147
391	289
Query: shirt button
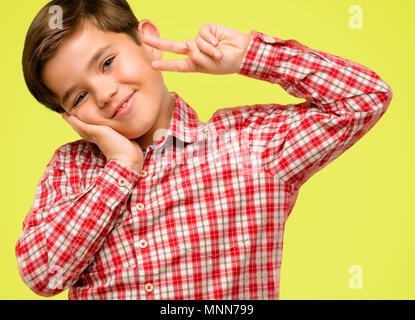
122	182
149	287
139	206
143	243
143	173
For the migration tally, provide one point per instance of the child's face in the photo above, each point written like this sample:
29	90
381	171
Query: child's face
122	69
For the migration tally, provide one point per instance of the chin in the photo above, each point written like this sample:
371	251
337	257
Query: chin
133	136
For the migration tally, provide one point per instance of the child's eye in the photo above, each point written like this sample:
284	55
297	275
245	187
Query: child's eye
105	63
78	100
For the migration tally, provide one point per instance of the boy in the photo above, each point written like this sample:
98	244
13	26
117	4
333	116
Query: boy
119	214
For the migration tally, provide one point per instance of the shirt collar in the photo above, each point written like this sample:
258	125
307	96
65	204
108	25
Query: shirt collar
184	123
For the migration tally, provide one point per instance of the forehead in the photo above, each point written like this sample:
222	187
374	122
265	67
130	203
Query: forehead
81	45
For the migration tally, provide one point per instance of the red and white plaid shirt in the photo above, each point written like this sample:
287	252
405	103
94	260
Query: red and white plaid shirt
205	217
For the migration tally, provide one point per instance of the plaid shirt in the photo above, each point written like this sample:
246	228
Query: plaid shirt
205	217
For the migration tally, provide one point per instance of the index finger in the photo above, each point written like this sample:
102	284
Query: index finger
178	47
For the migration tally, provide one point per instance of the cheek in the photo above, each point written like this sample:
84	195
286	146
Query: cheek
133	69
88	114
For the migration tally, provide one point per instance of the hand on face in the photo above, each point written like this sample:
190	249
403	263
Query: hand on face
112	144
229	44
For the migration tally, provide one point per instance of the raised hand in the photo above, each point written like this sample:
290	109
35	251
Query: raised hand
215	50
112	144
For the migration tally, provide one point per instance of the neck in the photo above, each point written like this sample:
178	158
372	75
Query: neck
166	112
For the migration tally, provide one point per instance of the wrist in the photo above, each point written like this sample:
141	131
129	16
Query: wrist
245	44
132	165
248	38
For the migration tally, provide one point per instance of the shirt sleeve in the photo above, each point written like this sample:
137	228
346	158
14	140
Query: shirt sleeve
63	230
343	101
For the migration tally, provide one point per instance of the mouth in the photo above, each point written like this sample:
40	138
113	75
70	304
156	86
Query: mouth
124	103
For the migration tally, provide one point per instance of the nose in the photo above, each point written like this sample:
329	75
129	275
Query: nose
106	94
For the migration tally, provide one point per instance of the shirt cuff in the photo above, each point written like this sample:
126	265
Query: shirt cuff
263	50
116	181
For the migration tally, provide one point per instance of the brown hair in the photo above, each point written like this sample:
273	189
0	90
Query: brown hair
42	41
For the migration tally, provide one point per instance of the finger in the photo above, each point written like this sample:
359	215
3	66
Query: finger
202	61
179	65
206	34
74	125
75	128
178	47
195	63
80	127
208	49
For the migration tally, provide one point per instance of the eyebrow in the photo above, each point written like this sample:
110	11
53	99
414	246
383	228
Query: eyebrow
91	62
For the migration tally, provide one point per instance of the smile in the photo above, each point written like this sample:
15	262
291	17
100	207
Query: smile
126	107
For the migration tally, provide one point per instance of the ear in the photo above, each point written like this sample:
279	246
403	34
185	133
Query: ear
147	27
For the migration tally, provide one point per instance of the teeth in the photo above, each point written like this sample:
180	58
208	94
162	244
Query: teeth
123	106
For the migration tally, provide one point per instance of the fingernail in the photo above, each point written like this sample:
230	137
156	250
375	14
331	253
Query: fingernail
189	44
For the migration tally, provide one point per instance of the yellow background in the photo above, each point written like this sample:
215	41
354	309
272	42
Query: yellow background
356	211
